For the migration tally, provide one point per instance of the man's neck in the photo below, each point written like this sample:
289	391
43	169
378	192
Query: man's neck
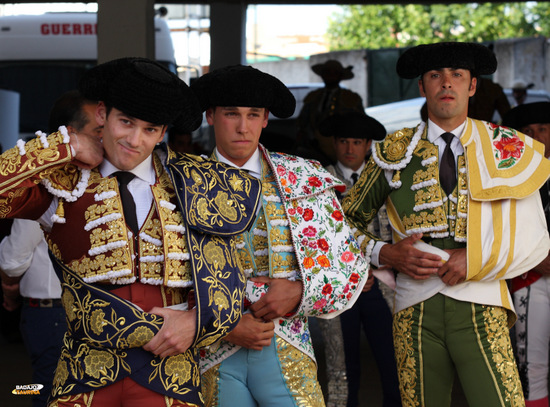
449	124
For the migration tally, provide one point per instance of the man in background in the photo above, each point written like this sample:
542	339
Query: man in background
352	135
530	290
322	103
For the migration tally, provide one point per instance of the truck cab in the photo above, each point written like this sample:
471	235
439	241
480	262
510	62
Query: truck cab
43	56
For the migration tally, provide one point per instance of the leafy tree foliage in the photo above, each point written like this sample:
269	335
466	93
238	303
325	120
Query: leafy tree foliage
387	26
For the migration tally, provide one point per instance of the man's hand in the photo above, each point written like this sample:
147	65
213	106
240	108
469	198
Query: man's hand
177	332
369	283
454	271
252	333
12	298
88	150
282	297
543	267
405	258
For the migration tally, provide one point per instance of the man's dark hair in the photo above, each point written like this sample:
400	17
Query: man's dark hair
67	110
174	131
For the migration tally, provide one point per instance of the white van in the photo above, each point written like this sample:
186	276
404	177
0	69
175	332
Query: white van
43	56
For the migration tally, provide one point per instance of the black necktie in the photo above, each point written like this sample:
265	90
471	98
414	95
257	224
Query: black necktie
447	168
354	178
128	204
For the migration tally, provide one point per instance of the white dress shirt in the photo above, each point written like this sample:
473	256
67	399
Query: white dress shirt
25	253
253	166
347	172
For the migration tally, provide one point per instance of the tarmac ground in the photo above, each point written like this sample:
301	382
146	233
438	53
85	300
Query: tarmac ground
16	370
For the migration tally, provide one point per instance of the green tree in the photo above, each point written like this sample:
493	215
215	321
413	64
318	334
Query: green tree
386	26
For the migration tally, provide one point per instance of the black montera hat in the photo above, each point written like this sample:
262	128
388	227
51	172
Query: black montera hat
143	89
416	61
352	125
529	113
244	86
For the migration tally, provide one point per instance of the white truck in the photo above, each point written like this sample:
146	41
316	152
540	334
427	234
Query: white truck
42	56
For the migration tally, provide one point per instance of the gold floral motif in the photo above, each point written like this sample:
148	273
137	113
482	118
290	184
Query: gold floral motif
68	302
202	209
178	368
425	174
113	232
245	258
196	177
214	255
175	371
394	146
98	363
274	211
141	336
405	356
97	321
496	326
65	178
428	195
226	206
269	189
436	220
220	300
102	264
61	374
11	161
299	373
283	263
280	236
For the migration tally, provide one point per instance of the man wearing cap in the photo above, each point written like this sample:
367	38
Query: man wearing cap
352	135
530	290
322	103
460	195
132	231
519	91
300	257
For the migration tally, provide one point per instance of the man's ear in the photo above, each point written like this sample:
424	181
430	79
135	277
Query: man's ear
101	113
162	133
210	116
421	87
266	118
473	86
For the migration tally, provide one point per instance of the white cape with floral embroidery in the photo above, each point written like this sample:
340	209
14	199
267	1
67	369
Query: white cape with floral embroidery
332	268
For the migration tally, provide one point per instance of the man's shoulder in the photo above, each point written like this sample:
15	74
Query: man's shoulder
397	146
302	176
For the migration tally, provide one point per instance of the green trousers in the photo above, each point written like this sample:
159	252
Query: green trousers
441	336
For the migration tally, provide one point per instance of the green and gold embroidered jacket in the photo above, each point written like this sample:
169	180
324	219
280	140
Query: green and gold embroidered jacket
186	242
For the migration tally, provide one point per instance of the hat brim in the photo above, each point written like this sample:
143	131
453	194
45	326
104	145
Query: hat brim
476	58
143	89
244	86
